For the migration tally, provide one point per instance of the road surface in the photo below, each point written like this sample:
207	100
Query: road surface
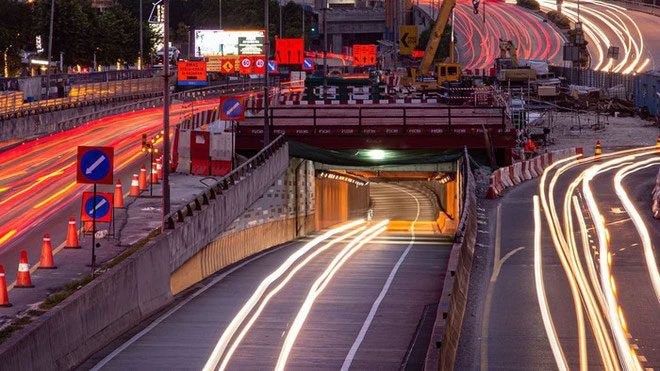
478	44
614	274
372	310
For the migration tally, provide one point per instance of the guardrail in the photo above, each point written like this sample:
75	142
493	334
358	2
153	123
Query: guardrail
224	183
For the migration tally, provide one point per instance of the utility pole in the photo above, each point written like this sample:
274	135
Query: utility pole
220	14
303	23
279	4
325	50
266	92
166	111
141	56
50	47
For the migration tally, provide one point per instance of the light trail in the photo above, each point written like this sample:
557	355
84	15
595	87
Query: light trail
239	318
649	255
319	285
548	324
272	293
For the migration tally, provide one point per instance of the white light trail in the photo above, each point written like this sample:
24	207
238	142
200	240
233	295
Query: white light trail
319	285
222	343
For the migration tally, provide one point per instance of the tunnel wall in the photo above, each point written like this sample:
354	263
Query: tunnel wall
285	212
338	201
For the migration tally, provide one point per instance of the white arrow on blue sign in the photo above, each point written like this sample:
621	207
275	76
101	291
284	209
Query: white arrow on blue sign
308	63
232	108
272	66
99	205
95	165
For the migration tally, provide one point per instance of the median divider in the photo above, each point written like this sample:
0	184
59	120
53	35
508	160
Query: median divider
441	353
509	176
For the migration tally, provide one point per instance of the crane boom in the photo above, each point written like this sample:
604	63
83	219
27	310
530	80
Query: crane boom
436	35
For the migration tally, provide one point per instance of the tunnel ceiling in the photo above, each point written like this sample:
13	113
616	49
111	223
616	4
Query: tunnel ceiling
372	156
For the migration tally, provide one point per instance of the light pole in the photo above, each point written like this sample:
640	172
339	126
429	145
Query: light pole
141	56
303	23
325	50
166	111
50	47
220	14
279	4
266	92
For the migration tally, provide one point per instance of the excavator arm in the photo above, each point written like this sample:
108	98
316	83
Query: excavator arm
436	35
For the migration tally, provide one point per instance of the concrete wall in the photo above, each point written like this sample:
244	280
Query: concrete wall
135	288
283	213
338	201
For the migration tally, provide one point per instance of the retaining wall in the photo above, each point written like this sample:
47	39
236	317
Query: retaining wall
340	202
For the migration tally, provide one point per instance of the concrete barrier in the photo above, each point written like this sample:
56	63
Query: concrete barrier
441	353
138	286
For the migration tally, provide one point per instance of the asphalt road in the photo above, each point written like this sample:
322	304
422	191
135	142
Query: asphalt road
373	304
478	43
505	315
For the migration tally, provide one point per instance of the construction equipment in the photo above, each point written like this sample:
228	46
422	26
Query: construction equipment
508	68
423	78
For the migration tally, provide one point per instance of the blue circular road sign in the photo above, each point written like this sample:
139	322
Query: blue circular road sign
232	108
98	204
95	165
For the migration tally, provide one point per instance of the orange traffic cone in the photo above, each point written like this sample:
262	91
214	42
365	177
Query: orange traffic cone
4	295
159	167
598	151
135	186
88	227
23	279
46	261
142	181
154	174
72	235
119	196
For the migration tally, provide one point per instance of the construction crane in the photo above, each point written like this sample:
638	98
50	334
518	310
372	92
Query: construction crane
426	79
508	67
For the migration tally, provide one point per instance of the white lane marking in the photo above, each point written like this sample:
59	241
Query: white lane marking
160	319
374	307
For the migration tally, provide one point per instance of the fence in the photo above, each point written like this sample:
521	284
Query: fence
599	79
15	83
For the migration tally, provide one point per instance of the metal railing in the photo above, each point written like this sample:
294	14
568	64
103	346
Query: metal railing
223	184
323	116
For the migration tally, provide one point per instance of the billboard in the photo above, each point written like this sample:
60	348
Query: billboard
191	73
221	42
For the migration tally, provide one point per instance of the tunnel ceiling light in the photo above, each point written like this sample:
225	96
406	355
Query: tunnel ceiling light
376	154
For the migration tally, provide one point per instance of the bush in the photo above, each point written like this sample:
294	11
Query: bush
529	4
559	19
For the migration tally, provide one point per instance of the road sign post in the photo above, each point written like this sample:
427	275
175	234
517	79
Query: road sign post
95	166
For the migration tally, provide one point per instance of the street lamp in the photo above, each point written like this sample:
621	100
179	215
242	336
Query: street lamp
325	49
50	47
166	111
266	92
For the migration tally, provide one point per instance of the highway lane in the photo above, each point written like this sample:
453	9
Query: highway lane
553	304
478	43
38	191
606	25
354	300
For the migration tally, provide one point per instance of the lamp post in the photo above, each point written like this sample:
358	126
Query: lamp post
166	111
141	56
50	47
220	14
325	50
279	4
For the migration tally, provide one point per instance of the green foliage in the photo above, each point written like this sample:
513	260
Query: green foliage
443	46
559	19
529	4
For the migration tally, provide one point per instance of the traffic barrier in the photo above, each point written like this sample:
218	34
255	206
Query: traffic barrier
511	175
118	201
135	186
46	260
142	180
4	294
23	279
72	235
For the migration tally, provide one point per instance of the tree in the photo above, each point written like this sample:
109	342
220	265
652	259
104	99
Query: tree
117	36
15	30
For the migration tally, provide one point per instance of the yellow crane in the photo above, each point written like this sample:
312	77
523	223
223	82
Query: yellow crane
426	79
